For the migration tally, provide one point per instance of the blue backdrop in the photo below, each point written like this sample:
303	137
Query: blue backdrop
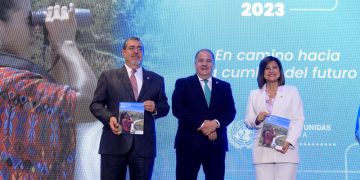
316	40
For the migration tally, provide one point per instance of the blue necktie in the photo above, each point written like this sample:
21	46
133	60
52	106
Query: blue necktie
207	92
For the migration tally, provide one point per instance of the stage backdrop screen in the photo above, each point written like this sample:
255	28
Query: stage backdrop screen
317	42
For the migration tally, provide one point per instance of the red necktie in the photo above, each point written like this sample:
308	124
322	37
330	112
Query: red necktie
134	83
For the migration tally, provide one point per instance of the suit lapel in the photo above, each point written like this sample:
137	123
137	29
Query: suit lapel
279	100
146	83
214	90
199	90
262	99
125	81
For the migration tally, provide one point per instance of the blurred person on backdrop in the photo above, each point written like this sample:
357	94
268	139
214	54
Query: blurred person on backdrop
38	111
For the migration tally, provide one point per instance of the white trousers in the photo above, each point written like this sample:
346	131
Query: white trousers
276	171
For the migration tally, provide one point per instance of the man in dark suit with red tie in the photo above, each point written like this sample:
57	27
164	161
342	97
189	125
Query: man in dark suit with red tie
130	83
204	107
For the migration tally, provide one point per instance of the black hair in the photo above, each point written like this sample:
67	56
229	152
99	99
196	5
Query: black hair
263	63
6	7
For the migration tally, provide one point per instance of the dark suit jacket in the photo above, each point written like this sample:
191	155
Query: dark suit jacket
113	87
190	108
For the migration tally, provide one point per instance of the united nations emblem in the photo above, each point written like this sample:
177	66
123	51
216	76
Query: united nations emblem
239	135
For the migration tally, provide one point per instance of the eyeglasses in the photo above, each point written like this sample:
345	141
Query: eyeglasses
132	48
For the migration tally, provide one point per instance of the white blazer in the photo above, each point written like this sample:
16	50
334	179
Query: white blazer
287	104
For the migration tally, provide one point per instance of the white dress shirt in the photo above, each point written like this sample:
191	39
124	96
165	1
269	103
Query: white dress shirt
138	75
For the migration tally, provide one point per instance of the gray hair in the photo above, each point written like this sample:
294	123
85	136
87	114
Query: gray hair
131	38
206	50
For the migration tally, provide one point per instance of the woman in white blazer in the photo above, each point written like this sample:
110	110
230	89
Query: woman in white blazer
275	98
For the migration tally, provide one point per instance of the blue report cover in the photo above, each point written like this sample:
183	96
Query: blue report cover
131	118
274	132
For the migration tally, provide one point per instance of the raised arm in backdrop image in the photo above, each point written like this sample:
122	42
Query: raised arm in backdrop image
39	108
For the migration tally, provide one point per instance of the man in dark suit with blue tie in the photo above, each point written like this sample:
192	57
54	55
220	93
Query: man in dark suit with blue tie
204	107
130	83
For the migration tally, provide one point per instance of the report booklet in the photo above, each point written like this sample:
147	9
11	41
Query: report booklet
274	132
131	118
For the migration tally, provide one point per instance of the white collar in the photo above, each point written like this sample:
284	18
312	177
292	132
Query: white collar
209	79
128	69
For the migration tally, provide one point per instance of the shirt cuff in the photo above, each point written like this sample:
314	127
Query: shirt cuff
201	125
218	123
154	113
